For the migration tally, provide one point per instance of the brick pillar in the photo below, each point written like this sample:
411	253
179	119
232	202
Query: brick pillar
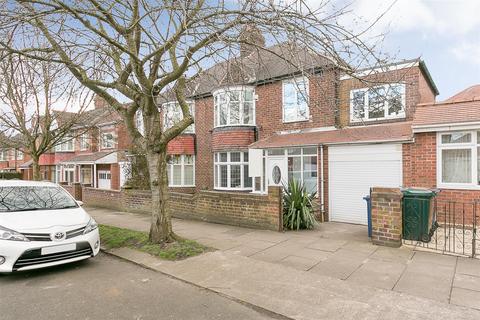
276	195
77	190
387	217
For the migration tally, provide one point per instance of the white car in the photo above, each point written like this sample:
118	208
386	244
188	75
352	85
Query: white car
42	225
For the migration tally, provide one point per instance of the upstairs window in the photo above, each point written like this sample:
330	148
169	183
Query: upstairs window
295	100
139	122
377	103
66	144
83	142
107	140
172	114
3	155
234	106
19	155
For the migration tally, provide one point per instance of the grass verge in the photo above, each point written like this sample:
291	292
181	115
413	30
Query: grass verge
113	237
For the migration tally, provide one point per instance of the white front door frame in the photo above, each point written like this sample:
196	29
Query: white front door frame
277	171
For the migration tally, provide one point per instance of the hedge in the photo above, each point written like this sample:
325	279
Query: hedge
10	175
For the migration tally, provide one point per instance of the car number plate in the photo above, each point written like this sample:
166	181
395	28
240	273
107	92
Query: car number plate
57	249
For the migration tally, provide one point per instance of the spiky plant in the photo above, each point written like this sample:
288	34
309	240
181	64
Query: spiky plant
298	212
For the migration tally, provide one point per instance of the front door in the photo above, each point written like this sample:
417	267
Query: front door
104	179
277	171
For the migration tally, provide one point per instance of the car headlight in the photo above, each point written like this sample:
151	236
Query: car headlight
7	234
91	225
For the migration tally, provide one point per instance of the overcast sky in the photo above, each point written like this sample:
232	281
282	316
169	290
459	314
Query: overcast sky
444	33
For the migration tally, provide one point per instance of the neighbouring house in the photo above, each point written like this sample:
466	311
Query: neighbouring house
93	154
12	156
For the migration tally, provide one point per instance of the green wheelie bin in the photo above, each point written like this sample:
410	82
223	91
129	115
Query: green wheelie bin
419	222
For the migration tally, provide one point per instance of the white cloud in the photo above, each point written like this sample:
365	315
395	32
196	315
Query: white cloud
452	17
467	52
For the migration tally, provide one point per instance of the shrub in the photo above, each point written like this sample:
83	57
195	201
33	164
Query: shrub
10	175
298	210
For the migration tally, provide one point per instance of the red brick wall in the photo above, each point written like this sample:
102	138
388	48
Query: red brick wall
420	161
232	138
269	112
240	209
387	217
183	144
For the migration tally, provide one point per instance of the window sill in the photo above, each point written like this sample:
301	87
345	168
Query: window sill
233	189
458	186
376	120
294	121
189	186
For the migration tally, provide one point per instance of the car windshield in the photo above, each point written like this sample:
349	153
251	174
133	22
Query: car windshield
26	198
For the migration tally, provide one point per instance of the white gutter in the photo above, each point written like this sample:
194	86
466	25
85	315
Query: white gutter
446	127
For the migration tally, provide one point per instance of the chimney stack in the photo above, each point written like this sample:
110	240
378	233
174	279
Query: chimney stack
251	38
99	102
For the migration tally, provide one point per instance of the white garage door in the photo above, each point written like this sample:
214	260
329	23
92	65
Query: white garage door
353	170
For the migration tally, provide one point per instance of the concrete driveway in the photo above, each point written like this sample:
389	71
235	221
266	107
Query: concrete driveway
339	251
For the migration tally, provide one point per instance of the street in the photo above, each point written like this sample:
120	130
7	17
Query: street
108	288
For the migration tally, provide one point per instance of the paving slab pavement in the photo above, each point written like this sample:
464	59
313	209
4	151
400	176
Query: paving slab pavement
295	294
336	250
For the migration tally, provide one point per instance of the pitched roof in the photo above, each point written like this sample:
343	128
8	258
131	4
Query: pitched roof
470	94
262	65
447	113
89	157
365	134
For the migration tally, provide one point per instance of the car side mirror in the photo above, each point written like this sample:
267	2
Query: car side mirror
80	203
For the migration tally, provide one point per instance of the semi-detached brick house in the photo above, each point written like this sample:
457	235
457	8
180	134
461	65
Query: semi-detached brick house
95	153
260	123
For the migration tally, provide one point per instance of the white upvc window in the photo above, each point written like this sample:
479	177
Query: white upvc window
378	103
83	142
231	171
139	122
234	106
181	171
302	167
295	93
458	160
19	154
66	144
4	155
172	114
107	140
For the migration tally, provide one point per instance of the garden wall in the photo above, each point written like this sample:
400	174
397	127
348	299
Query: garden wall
232	208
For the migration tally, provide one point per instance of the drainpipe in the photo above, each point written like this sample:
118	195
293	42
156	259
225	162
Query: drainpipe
322	183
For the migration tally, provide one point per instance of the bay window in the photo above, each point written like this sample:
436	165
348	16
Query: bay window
302	167
234	106
458	159
181	171
231	171
295	100
172	114
377	103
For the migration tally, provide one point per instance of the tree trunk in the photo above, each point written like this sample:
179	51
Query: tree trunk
36	169
161	223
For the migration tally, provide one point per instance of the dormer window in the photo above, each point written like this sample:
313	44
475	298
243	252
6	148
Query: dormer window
378	103
172	114
234	106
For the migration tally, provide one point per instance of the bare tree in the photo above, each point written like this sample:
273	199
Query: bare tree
35	96
131	52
